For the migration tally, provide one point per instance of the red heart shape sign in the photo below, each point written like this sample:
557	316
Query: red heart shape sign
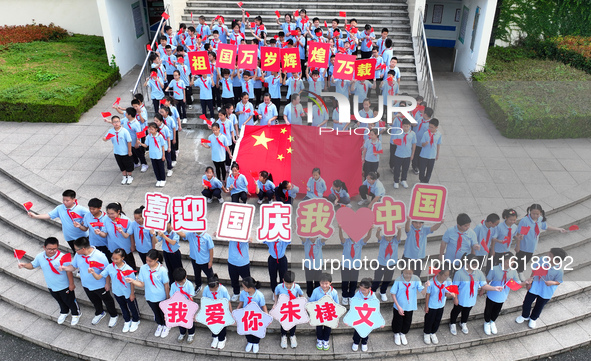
355	224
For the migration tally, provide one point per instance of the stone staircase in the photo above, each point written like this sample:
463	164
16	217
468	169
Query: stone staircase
27	309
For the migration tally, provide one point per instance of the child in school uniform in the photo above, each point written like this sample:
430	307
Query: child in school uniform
288	287
265	187
217	291
370	153
315	82
117	232
435	298
499	275
237	185
201	253
136	132
247	81
422	127
286	192
485	232
389	87
173	128
372	188
157	147
170	249
153	277
226	85
387	259
469	280
312	262
359	89
89	224
167	134
177	86
458	241
143	238
212	187
268	112
293	112
60	284
236	85
250	293
277	261
506	232
325	288
245	111
121	141
227	129
404	293
319	116
415	246
430	145
339	194
218	143
315	186
186	288
294	84
364	293
541	288
525	248
403	153
124	294
205	84
350	270
156	89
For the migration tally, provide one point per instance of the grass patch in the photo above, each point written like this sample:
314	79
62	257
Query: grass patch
53	81
533	98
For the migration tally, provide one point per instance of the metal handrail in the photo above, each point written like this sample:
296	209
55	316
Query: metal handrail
154	41
428	86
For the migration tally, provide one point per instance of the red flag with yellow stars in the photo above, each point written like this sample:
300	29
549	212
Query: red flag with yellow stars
290	152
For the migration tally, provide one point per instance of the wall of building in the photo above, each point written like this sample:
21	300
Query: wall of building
414	7
443	33
77	16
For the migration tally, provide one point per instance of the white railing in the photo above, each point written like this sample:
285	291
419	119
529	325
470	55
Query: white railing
145	71
423	62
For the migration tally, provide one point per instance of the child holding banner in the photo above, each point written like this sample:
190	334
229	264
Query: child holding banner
364	293
325	288
288	287
186	288
217	291
250	293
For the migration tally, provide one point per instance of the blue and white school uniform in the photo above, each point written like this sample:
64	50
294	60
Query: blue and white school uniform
467	295
437	293
141	236
248	112
348	256
411	249
215	183
218	151
317	188
366	45
119	140
451	236
406	292
226	84
154	286
257	298
156	144
294	87
227	129
114	238
83	263
95	239
530	239
294	291
429	151
267	111
315	86
388	251
277	249
199	246
404	150
203	30
294	113
370	148
377	188
221	293
336	123
266	189
318	293
539	287
360	90
342	195
274	83
119	289
247	87
319	116
504	234
178	89
240	184
499	277
484	236
205	87
342	86
56	280
313	259
169	62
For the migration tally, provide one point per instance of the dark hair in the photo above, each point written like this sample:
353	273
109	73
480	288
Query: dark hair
266	95
135	101
139	210
116	207
50	240
266	175
168	47
95	203
373	175
294	96
509	213
428	111
215	32
469	257
385	30
139	96
394	58
115	117
250	282
69	193
316	170
493	217
131	111
374	131
325	277
191	29
463	219
405	121
434	121
539	208
82	242
558	252
121	252
340	184
315	72
289	277
166	28
155	255
154	125
180	48
166	109
159	117
365	282
209	168
225	71
179	274
317	30
353	20
247	73
213	281
367	27
216	125
234	165
336	20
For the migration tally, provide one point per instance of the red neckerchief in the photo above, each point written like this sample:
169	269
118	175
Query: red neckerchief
431	135
205	85
183	292
471	285
141	234
291	296
276	251
311	252
389	250
367	298
119	274
407	290
459	244
167	245
266	109
215	295
418	237
404	139
352	249
198	243
51	265
156	142
508	238
440	287
239	250
151	278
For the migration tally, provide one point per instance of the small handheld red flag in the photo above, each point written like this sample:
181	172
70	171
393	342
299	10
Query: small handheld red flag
540	272
123	222
340	49
28	206
256	114
217	17
165	16
255	175
148	47
247	14
105	114
524	230
162	101
74	215
140	134
342	14
95	264
514	286
18	253
202	116
277	13
325	24
240	4
117	101
252	25
205	141
452	289
574	227
434	271
398	141
207	183
66	258
296	13
109	136
381	151
293	32
128	272
97	224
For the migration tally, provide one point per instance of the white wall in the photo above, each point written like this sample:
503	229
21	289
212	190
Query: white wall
466	60
77	16
414	6
119	32
448	19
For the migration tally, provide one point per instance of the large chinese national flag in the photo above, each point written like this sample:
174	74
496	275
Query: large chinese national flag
290	152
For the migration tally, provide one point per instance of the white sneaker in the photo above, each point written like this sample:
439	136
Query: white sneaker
260	201
221	345
520	319
158	331
124	180
126	327
293	341
403	339
62	318
396	186
98	318
487	328
134	326
493	327
158	183
355	347
319	344
75	320
209	200
190	338
364	348
129	179
162	183
427	338
397	339
165	331
169	173
221	200
214	343
464	328
345	301
404	184
452	329
235	298
173	163
384	297
144	168
255	348
283	341
190	107
532	323
434	339
363	202
136	165
326	345
113	321
248	347
180	338
184	121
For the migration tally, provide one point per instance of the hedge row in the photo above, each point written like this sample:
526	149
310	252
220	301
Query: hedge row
27	33
572	50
